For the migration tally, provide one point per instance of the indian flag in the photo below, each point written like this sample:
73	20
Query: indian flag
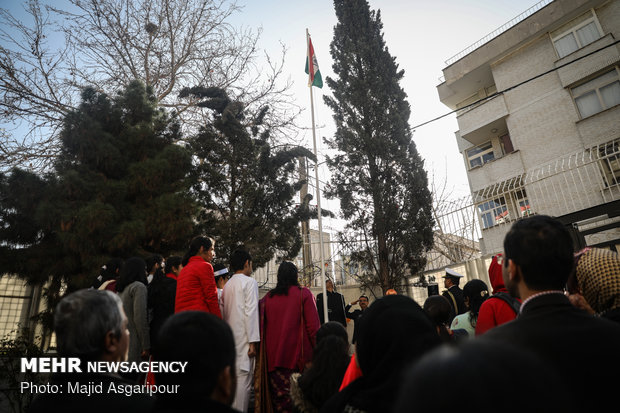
312	68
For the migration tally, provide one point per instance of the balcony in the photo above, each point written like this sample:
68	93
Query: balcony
492	171
478	123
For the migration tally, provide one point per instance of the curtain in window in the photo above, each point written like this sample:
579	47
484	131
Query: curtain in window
566	45
588	104
611	94
587	34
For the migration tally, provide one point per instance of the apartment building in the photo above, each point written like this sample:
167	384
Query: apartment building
538	110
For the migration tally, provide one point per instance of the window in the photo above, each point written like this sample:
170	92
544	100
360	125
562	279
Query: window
522	203
480	155
493	212
577	34
598	94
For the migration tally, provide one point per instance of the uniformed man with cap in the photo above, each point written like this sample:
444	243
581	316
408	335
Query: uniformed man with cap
453	293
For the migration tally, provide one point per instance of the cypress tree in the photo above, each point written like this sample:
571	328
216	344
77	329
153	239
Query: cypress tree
244	185
377	172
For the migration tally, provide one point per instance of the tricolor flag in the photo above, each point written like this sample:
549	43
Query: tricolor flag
312	68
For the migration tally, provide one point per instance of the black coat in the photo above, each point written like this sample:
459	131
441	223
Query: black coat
355	316
335	307
460	301
580	347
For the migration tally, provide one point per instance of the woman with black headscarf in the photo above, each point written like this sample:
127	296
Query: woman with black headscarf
394	332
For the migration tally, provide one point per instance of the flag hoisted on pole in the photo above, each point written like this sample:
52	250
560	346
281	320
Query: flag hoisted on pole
312	66
314	79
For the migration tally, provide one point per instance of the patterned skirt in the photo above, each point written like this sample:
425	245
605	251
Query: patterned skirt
280	386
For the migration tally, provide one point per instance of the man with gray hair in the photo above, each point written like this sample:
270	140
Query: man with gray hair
90	325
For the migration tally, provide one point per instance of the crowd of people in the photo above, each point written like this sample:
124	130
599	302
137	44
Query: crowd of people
540	339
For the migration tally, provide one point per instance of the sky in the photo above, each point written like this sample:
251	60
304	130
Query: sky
420	34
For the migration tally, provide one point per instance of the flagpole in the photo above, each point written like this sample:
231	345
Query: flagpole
318	190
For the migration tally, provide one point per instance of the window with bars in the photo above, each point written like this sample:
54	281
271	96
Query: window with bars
577	34
598	94
493	212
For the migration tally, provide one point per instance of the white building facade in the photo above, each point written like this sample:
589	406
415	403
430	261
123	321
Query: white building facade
538	110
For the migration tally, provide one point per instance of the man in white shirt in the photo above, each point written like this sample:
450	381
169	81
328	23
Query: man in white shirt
240	298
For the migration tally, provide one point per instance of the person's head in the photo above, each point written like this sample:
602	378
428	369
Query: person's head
329	285
133	270
495	273
173	265
111	269
206	343
153	263
241	261
538	253
91	325
394	331
597	278
332	328
221	274
475	292
486	371
202	247
330	359
439	310
363	302
451	278
287	277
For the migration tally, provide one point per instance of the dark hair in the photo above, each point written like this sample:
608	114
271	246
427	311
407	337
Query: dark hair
238	259
134	269
438	309
81	321
364	296
206	343
484	369
477	292
151	260
330	360
110	270
171	262
543	248
194	247
332	328
217	267
287	277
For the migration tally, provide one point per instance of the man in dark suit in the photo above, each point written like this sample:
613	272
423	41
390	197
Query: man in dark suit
453	293
580	347
335	305
356	314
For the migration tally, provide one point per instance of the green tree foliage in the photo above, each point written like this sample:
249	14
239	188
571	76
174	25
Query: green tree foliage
378	174
244	185
119	188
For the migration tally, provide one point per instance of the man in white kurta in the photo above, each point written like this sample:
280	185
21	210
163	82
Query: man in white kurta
240	299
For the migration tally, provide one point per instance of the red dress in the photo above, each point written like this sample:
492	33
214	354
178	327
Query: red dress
196	289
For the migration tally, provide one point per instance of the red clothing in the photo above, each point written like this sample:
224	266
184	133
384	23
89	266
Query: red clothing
282	329
353	373
196	289
494	311
172	275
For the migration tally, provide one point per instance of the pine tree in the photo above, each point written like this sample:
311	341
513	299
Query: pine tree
377	173
245	187
119	188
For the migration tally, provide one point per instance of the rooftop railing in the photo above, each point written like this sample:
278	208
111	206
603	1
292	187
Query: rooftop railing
498	31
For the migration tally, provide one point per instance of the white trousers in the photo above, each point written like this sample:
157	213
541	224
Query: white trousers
245	385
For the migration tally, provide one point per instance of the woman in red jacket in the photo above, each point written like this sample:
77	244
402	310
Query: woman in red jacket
196	288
